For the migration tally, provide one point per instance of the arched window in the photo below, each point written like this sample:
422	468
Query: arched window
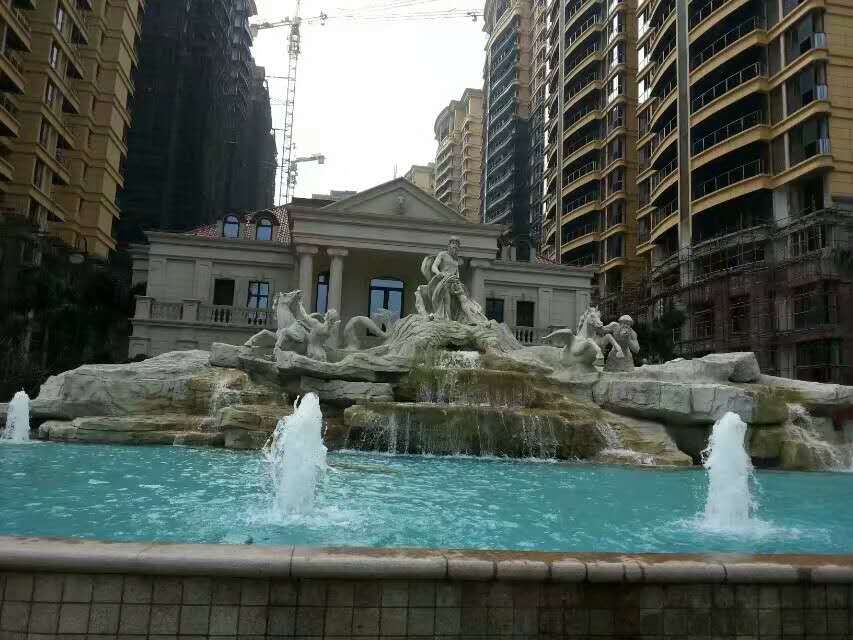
231	227
386	293
263	229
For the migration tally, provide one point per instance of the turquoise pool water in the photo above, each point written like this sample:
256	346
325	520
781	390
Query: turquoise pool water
204	495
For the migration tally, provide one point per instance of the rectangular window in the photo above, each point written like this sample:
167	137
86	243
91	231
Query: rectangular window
50	93
322	304
524	313
495	309
259	295
44	134
38	175
54	56
223	292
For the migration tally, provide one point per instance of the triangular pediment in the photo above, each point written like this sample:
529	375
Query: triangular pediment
398	198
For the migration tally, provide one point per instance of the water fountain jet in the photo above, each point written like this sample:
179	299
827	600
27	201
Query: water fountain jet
297	458
18	419
729	505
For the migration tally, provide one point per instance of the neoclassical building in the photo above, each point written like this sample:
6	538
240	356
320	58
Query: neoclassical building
357	255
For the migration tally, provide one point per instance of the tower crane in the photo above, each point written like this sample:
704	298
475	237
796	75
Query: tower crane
288	174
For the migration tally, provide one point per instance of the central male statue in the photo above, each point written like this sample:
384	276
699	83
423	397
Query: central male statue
445	297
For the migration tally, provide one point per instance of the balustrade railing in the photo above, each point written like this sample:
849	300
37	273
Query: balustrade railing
727	39
166	310
664	173
704	11
579	173
724	86
727	131
529	335
733	176
577	203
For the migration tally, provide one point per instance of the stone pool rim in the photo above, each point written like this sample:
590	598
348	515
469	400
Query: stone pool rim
68	555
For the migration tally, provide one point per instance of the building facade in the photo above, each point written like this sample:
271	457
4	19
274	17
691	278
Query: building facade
746	183
65	111
422	176
357	255
201	144
458	161
591	155
507	100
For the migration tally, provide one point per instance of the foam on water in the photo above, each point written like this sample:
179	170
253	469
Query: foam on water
729	506
17	420
296	457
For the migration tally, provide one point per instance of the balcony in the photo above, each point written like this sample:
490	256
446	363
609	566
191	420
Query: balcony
572	179
9	123
755	70
727	40
663	219
593	22
18	23
728	131
661	176
591	198
733	176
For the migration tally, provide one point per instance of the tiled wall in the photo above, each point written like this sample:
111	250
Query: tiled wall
87	591
42	606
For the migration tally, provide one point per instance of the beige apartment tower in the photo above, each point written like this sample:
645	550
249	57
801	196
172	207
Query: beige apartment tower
746	178
590	149
422	176
458	161
65	111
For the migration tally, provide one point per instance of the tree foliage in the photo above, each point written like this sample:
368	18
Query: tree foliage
59	317
657	344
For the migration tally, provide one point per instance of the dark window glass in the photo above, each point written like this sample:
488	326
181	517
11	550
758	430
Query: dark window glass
524	313
495	309
223	292
263	231
322	304
231	227
386	293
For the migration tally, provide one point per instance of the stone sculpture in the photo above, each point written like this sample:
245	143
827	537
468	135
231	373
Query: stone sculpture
622	359
360	325
583	348
445	297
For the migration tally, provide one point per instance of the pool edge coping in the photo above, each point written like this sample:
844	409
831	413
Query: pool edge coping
65	555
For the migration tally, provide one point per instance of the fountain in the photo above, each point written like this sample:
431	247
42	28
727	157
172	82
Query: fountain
18	419
729	505
297	458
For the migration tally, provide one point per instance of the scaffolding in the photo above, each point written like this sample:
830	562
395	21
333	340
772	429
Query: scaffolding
778	289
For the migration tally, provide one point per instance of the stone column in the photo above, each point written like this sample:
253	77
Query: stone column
336	277
189	311
143	308
306	273
478	280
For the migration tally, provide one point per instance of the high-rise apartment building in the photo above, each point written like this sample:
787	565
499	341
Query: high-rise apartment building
591	155
746	178
422	176
65	111
201	143
507	140
536	167
458	161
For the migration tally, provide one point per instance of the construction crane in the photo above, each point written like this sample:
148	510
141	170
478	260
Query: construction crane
288	173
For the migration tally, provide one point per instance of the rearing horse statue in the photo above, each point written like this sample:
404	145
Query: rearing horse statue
583	347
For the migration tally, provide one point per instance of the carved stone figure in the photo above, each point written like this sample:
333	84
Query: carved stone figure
360	325
581	349
625	336
320	334
444	297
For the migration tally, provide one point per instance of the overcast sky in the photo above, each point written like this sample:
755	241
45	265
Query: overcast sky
368	92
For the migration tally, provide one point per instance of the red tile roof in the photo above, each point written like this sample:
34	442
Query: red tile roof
248	226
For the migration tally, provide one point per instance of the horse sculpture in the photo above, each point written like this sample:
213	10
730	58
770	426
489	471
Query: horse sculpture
583	347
